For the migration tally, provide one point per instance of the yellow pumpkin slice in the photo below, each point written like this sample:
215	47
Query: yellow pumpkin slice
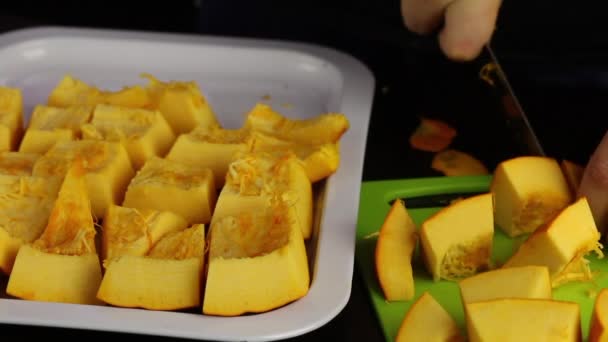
107	165
25	206
254	179
319	161
17	163
62	264
49	125
321	129
257	262
209	147
168	278
71	91
130	231
167	185
182	103
144	133
11	118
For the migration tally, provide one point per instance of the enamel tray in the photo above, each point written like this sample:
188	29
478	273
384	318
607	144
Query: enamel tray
298	80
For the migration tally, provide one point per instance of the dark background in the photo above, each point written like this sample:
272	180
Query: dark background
555	53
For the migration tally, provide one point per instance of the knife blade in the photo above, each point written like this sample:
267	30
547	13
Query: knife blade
516	120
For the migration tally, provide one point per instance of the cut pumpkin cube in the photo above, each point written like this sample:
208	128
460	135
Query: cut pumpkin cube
62	264
319	161
528	192
71	91
25	206
427	320
321	129
141	281
130	231
457	240
254	179
49	125
393	254
523	319
182	103
514	282
209	147
17	163
144	133
257	262
107	165
562	244
165	185
11	118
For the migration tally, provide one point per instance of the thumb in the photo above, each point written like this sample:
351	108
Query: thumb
594	184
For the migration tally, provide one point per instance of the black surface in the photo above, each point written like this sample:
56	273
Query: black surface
556	62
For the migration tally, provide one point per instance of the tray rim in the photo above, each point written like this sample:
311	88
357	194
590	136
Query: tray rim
357	97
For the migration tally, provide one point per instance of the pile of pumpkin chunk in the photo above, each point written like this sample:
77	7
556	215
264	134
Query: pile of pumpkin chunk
530	198
139	198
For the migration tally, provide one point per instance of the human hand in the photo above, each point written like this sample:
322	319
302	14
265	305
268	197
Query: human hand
468	24
594	184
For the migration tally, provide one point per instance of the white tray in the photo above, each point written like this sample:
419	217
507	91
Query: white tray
302	81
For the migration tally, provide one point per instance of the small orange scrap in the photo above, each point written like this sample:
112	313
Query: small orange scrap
432	135
457	163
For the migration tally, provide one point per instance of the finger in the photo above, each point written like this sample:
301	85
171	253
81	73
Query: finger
423	16
469	25
594	184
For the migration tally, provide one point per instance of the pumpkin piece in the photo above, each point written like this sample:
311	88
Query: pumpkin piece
319	161
562	244
427	320
432	135
25	206
257	262
452	162
130	231
523	319
514	282
254	179
165	185
141	281
528	192
183	104
11	118
17	163
49	125
457	240
62	264
393	254
71	91
321	129
144	133
107	165
209	147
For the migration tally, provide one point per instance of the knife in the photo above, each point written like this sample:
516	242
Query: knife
516	120
524	138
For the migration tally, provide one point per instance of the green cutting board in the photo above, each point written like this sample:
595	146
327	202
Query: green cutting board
374	205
